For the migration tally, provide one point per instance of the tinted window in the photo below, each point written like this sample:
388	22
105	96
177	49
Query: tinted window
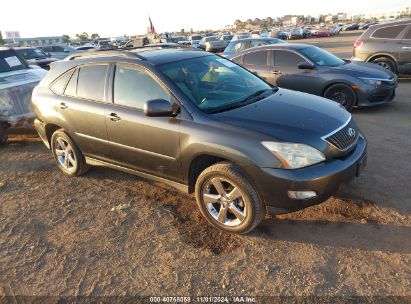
388	32
31	53
71	89
256	58
60	83
58	49
132	88
91	80
10	62
287	59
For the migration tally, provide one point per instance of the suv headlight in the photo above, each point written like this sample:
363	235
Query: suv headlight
371	81
293	155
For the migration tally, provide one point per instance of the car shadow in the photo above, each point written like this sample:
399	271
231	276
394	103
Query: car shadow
366	237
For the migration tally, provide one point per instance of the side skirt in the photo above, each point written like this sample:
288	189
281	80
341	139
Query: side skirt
100	163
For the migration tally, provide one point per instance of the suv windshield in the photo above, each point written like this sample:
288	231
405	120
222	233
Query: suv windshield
9	61
321	57
196	37
215	84
31	53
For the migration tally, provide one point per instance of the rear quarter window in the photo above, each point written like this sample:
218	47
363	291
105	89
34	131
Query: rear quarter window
59	85
389	32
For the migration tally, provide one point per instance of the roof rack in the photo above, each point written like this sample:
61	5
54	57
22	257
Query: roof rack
104	53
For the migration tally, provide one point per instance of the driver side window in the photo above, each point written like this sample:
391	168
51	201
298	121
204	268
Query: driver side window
287	59
133	87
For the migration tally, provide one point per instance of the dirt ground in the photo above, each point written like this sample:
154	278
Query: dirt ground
60	236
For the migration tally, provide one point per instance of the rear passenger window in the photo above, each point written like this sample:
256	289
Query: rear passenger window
256	58
71	89
408	36
59	85
91	81
287	59
133	87
389	32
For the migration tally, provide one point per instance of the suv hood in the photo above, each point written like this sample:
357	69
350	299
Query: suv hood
365	69
289	116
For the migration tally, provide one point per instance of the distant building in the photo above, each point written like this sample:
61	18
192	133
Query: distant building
328	18
342	16
36	41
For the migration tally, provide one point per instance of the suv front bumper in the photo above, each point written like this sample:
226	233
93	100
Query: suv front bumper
324	178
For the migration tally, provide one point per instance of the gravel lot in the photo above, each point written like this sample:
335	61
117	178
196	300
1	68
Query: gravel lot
60	237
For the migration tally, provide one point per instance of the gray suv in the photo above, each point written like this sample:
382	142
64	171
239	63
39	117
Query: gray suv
202	124
386	44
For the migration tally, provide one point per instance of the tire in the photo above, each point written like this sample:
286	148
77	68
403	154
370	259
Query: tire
238	215
342	94
3	133
386	63
68	156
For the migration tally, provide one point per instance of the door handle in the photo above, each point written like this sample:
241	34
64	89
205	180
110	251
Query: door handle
406	47
277	72
113	117
63	105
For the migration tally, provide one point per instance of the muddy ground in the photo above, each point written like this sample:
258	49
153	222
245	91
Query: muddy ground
60	237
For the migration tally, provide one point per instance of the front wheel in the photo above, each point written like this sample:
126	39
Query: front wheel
342	94
68	156
227	199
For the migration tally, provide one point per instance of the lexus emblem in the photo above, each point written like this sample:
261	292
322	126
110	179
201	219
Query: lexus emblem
351	132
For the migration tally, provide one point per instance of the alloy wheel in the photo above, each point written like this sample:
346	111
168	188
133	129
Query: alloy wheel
224	201
65	154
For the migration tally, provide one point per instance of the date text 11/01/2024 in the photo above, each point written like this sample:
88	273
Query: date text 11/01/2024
203	299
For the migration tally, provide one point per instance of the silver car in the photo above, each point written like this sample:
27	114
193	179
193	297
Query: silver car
58	51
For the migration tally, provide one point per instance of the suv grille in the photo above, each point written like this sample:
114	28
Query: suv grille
343	138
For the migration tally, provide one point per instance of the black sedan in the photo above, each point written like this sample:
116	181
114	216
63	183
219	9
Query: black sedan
34	56
309	69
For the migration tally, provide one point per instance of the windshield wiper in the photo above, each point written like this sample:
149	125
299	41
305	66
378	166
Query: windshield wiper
250	99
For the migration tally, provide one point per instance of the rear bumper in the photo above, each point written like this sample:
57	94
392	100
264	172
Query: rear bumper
41	130
325	178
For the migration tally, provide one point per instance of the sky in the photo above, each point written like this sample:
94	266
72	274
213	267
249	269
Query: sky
116	18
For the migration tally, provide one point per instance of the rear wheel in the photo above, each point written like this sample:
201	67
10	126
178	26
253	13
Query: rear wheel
342	94
68	156
227	199
386	63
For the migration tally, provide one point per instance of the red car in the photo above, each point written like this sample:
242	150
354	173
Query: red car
323	32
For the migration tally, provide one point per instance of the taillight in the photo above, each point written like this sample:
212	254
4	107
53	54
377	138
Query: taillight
357	43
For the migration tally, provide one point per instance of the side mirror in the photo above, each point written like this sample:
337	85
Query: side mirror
306	66
158	108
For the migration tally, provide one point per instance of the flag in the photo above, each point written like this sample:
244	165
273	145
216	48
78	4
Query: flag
152	30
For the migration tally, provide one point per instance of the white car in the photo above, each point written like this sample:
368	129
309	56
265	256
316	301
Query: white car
17	80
